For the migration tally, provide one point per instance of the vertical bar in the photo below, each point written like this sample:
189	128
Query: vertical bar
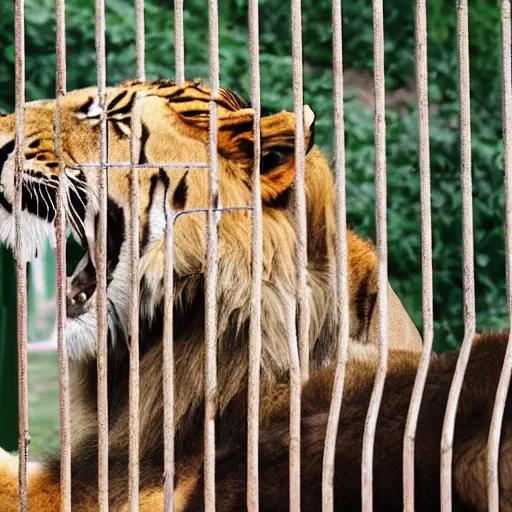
140	47
179	42
168	367
341	262
295	388
168	341
134	377
467	259
211	268
504	382
60	235
382	252
257	269
300	192
21	275
168	363
302	302
101	270
426	253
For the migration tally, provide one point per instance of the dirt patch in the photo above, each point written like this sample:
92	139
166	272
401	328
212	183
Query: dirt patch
359	83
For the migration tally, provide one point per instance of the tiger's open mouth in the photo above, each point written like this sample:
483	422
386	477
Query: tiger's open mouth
81	287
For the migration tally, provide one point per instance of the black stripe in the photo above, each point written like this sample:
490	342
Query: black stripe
180	194
5	151
115	234
86	106
116	100
118	130
144	139
185	99
125	109
145	234
5	204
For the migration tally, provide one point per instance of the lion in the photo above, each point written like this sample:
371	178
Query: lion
174	128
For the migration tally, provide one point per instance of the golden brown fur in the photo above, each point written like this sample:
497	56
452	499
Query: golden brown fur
174	129
469	461
470	445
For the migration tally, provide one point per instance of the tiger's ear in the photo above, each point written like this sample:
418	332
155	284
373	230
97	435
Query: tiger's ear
277	162
235	141
277	167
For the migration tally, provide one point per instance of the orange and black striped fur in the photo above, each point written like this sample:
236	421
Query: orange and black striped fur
174	128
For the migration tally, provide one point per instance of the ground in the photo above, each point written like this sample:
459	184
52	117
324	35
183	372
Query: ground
43	403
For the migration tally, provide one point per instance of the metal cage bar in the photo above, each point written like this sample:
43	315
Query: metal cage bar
467	257
21	275
140	41
426	252
210	380
341	261
60	236
168	361
101	265
179	42
299	192
298	375
382	254
134	373
253	399
504	382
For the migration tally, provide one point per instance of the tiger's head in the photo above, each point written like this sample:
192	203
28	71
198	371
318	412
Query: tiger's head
174	129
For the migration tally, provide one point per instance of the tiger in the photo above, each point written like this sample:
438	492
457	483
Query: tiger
173	128
473	420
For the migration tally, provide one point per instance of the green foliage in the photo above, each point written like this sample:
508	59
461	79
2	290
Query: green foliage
276	87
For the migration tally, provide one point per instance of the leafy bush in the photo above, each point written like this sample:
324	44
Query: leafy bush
402	132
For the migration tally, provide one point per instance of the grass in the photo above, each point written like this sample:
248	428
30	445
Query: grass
43	403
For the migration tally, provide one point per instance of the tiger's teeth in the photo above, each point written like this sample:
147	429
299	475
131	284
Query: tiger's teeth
81	298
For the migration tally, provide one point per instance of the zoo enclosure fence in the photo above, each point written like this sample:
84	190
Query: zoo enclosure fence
298	340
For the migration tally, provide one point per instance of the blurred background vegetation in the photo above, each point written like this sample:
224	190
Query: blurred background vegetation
402	132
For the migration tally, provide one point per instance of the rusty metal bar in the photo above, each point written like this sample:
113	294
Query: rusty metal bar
140	46
210	381
257	271
493	447
134	376
295	408
142	166
467	258
179	42
101	264
299	192
168	361
168	334
302	296
60	235
21	273
341	262
382	252
426	253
